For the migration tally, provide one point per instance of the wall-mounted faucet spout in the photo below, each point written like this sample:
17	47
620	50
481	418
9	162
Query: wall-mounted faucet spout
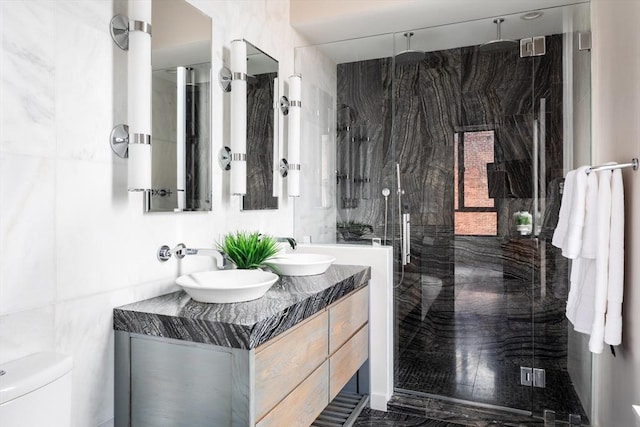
292	242
180	251
221	260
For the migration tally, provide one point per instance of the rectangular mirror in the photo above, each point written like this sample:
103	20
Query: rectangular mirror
181	108
262	129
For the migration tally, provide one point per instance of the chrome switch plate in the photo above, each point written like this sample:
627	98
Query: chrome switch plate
526	376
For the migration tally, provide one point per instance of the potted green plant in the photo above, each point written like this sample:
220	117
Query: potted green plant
248	250
524	222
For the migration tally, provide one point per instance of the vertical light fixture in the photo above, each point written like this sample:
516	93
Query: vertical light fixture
181	135
277	143
133	33
238	117
293	148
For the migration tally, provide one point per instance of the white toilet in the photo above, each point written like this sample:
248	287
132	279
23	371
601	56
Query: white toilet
35	391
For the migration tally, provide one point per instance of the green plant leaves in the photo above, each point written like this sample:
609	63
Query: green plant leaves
248	250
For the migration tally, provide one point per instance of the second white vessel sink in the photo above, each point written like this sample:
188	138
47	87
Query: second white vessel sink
227	286
301	264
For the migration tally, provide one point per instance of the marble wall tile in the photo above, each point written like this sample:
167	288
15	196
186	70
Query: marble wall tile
28	70
88	231
84	64
84	330
74	242
26	332
101	245
27	219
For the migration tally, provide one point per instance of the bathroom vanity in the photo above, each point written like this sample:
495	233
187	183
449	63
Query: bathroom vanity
275	361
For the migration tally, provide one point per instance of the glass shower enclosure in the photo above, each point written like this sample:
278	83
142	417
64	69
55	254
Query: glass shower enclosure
451	143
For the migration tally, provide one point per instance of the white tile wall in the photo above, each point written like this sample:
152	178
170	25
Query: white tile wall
28	70
27	218
73	243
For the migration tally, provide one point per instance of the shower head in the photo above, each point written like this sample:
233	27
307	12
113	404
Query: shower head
385	192
499	43
409	56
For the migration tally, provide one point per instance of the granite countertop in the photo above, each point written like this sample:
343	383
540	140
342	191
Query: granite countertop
243	325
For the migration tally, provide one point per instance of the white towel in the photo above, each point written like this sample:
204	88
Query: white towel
572	245
589	231
615	290
560	233
596	342
580	302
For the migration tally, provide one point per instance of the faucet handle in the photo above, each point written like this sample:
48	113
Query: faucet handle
165	252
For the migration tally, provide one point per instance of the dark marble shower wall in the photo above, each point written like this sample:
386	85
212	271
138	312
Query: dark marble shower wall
450	91
421	107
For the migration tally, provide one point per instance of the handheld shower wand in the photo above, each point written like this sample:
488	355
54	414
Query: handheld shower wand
385	194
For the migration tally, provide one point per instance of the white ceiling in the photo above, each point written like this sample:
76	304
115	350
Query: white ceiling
355	30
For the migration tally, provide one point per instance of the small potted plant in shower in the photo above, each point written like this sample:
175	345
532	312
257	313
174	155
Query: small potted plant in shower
248	250
524	222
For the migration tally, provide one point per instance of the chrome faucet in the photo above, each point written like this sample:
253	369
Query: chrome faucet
180	251
221	260
292	242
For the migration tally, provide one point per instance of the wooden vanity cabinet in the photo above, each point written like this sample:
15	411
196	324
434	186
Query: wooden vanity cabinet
287	381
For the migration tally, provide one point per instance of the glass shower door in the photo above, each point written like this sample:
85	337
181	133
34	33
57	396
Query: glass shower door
483	138
463	130
561	359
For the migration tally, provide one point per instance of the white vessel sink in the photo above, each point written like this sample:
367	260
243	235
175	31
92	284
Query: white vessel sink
301	264
227	286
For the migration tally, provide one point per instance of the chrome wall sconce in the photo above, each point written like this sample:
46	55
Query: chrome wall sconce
133	141
234	80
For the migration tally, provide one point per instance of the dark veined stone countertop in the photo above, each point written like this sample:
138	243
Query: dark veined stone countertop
243	325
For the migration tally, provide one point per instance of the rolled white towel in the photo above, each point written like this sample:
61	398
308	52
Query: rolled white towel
596	342
589	231
572	245
560	233
615	289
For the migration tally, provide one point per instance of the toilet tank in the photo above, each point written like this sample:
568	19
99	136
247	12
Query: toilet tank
36	391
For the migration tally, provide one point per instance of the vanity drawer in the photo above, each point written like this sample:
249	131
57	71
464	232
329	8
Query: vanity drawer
347	360
347	316
304	404
284	362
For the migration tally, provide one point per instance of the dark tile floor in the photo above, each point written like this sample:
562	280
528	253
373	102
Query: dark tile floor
371	418
407	410
475	336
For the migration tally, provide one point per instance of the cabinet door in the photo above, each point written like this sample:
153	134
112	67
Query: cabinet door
286	361
303	405
179	385
347	360
347	316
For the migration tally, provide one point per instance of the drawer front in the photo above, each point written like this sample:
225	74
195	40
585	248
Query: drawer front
347	360
303	405
347	316
285	362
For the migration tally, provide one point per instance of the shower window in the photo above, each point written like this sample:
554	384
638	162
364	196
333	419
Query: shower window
475	212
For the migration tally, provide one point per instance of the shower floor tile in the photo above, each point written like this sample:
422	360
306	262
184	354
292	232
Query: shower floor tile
475	337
